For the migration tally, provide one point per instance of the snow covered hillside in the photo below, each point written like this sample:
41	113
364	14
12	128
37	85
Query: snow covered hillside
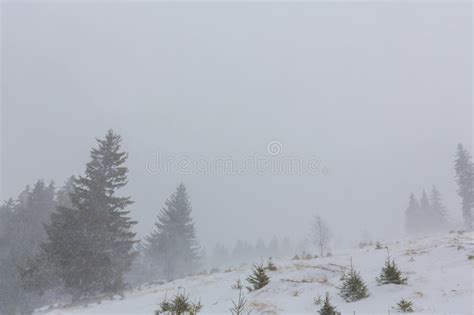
439	270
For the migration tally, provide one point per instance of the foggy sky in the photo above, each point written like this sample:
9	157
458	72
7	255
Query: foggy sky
381	94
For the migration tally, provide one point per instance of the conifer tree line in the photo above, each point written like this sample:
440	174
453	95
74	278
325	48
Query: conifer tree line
79	239
245	251
21	234
428	214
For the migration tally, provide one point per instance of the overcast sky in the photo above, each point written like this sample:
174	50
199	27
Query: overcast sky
379	94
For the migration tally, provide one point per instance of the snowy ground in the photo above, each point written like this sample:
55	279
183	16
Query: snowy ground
440	282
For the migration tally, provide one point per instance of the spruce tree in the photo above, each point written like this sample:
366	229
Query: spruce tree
438	211
465	179
258	279
353	287
425	207
173	247
327	308
91	243
390	273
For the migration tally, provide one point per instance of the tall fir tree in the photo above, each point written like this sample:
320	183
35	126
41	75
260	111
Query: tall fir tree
425	207
438	211
412	215
91	243
465	179
173	248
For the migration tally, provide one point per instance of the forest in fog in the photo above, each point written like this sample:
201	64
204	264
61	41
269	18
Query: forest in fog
78	241
272	157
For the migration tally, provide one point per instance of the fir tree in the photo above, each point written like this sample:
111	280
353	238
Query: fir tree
173	247
258	279
465	179
91	243
438	211
390	273
327	308
425	207
353	287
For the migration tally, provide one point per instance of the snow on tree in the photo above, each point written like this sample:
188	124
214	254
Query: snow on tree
390	273
327	308
173	248
180	305
91	243
465	179
321	234
353	287
258	279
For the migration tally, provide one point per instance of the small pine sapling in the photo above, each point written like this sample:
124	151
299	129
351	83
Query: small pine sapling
353	287
270	265
390	273
238	307
318	300
258	279
405	306
179	306
327	308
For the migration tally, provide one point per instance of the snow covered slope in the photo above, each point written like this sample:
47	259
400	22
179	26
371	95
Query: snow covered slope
440	282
